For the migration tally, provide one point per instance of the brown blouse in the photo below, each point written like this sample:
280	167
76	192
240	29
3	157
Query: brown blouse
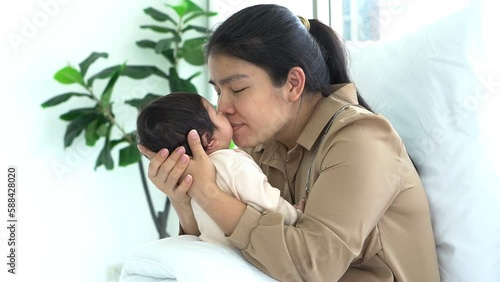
366	217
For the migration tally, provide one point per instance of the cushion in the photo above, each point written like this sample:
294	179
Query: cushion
439	87
187	258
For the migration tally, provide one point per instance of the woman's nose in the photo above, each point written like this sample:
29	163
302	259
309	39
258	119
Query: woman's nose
224	104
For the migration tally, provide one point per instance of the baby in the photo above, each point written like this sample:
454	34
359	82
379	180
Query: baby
165	123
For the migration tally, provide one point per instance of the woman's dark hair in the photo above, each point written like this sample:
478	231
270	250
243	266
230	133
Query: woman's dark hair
166	121
273	38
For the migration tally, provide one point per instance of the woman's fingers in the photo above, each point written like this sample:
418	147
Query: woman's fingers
195	144
156	159
174	167
156	162
184	186
166	169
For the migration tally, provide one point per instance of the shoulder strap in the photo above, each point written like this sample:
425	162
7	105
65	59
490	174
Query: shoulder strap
323	134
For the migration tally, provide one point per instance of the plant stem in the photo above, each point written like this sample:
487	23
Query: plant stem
162	217
148	196
110	117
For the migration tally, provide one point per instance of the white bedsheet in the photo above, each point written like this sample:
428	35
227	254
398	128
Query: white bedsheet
186	258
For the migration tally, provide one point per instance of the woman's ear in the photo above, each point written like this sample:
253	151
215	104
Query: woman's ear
295	84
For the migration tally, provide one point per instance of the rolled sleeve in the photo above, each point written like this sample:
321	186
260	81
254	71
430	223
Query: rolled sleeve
248	222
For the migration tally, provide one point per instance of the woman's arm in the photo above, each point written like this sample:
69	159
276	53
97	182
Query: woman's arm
187	221
165	171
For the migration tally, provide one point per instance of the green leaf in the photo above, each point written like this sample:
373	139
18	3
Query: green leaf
160	29
135	72
105	157
158	16
105	73
169	54
90	133
192	51
146	44
178	84
95	129
106	94
185	7
199	14
140	103
113	143
140	72
69	75
75	128
196	28
56	100
78	114
85	64
129	155
102	129
163	45
194	75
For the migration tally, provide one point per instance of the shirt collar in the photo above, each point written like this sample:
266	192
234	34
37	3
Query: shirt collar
325	109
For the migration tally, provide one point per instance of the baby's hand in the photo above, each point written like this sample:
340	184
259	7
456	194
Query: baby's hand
301	205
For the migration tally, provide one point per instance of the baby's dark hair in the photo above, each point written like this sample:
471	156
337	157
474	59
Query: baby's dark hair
166	121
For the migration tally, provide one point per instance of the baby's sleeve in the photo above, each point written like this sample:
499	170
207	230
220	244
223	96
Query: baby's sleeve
250	185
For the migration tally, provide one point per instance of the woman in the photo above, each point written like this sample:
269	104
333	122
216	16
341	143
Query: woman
284	86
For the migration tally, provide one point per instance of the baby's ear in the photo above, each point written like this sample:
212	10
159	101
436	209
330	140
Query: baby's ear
208	144
204	139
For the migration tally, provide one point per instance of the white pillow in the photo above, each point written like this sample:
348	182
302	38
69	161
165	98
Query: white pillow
436	86
188	259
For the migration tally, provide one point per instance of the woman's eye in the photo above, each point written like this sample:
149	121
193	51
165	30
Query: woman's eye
239	90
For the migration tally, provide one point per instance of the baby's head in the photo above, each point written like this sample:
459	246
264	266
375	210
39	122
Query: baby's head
165	123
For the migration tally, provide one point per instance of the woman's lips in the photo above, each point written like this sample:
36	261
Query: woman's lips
236	126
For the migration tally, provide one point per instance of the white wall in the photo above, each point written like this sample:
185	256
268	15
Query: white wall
74	223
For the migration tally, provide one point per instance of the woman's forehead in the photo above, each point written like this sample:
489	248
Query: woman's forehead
227	69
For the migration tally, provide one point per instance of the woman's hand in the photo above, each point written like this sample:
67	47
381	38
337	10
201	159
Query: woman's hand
166	171
202	170
223	208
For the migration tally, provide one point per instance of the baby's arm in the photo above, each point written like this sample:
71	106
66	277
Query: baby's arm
250	185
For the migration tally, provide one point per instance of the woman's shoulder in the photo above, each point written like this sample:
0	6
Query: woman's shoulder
339	118
355	114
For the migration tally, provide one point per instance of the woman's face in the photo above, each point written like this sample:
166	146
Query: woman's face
255	108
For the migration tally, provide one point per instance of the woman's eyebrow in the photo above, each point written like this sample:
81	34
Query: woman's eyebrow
229	79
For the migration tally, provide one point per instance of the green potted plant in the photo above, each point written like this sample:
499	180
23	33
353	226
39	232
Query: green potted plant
182	41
